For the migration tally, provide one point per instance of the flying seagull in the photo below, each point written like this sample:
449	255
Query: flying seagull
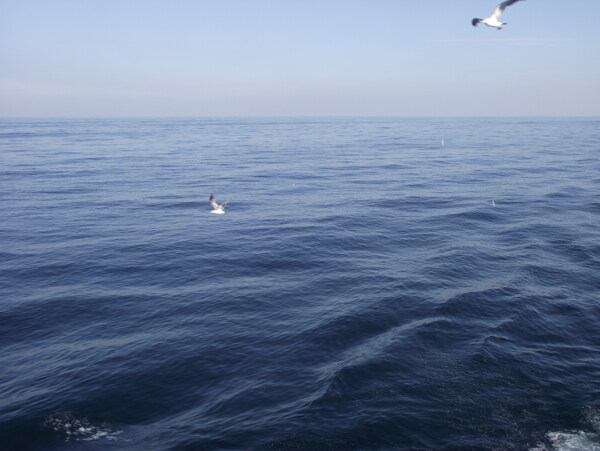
494	19
217	209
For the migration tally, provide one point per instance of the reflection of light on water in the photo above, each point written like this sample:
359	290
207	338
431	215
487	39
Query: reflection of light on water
80	428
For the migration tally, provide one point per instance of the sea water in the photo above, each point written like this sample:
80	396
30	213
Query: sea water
375	284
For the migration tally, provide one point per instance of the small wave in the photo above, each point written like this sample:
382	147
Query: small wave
72	428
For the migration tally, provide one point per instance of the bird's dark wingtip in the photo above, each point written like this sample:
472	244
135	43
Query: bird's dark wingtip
475	22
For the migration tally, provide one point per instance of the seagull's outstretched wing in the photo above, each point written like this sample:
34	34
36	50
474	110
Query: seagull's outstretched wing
225	203
211	199
501	7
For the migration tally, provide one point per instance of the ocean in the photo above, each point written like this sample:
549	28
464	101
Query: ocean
375	284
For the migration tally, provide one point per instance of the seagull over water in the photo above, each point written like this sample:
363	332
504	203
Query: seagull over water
494	19
217	209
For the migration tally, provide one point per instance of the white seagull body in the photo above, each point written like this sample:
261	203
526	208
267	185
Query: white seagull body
494	19
217	209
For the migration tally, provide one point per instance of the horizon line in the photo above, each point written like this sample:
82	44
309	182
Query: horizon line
306	116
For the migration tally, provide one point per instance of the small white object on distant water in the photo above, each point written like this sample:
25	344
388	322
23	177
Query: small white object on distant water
443	143
218	209
493	204
494	19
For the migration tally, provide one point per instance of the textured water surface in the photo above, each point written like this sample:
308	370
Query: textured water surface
370	287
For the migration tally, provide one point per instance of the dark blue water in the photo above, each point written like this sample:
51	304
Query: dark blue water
361	293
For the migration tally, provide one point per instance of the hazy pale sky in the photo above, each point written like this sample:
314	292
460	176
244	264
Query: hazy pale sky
297	57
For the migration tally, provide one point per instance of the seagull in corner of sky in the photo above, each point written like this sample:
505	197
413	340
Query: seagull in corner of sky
217	209
494	19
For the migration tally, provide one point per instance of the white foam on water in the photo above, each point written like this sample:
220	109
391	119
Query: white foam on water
80	429
571	441
575	440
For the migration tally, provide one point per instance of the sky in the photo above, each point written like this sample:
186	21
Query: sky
199	58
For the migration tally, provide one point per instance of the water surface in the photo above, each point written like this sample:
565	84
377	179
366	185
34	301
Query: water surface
362	292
